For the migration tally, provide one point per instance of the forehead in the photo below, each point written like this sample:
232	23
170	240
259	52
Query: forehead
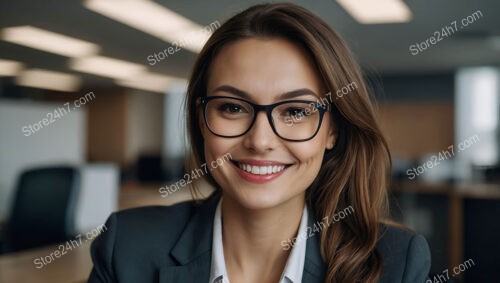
263	67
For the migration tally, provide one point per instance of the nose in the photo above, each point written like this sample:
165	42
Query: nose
260	138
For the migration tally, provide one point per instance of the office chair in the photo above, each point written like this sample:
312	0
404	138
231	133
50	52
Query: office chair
43	210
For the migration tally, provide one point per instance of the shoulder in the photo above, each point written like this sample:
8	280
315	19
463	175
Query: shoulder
406	255
153	218
142	230
158	223
144	238
147	231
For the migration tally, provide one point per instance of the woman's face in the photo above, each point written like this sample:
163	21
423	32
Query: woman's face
263	70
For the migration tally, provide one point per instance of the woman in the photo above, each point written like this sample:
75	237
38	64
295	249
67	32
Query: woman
304	197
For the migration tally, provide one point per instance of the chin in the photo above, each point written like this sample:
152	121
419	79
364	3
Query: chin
260	197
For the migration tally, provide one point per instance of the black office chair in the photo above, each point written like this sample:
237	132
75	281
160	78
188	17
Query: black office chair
43	210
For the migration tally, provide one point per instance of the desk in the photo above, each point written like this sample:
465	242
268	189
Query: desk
72	267
455	194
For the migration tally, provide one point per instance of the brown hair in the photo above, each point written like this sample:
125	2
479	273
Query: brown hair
355	172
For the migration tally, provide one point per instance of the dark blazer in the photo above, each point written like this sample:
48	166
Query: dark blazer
174	244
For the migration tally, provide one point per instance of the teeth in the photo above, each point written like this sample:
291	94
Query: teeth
255	170
261	170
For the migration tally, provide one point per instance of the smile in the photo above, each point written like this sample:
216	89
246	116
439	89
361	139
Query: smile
259	171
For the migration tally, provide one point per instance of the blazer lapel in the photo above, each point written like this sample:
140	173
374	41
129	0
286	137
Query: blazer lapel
193	250
314	267
194	272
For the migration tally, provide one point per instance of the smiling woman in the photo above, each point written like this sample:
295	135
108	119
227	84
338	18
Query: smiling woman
262	66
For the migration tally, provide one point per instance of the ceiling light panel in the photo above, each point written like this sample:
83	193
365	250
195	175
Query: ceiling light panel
151	18
45	79
10	68
106	67
48	41
377	12
150	82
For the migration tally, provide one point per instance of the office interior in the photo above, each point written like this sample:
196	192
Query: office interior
91	102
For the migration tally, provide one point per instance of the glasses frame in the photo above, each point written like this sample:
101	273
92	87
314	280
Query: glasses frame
269	110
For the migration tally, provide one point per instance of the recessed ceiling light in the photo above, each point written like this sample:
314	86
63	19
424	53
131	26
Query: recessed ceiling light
106	67
45	79
377	12
151	18
10	68
45	40
150	82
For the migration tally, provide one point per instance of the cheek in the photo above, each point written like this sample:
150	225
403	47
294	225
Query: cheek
313	150
213	148
308	153
309	158
216	147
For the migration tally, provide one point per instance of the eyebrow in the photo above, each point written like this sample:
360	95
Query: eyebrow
283	96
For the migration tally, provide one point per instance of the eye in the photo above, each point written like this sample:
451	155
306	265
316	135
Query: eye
231	108
294	111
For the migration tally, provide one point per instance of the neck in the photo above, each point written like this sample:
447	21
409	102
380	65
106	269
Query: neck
252	239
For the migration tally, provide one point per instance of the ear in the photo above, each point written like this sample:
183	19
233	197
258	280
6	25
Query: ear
201	121
331	137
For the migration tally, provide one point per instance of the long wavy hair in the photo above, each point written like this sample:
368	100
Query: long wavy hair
353	173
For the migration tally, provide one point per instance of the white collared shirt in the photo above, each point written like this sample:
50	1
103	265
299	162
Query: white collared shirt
294	264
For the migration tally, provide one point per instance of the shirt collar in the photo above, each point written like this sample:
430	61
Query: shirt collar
294	265
218	272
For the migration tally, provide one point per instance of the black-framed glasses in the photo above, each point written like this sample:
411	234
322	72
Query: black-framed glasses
291	120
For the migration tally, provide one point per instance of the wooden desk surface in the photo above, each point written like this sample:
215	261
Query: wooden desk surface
461	190
72	267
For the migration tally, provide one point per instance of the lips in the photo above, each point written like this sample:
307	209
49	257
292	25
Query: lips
259	171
